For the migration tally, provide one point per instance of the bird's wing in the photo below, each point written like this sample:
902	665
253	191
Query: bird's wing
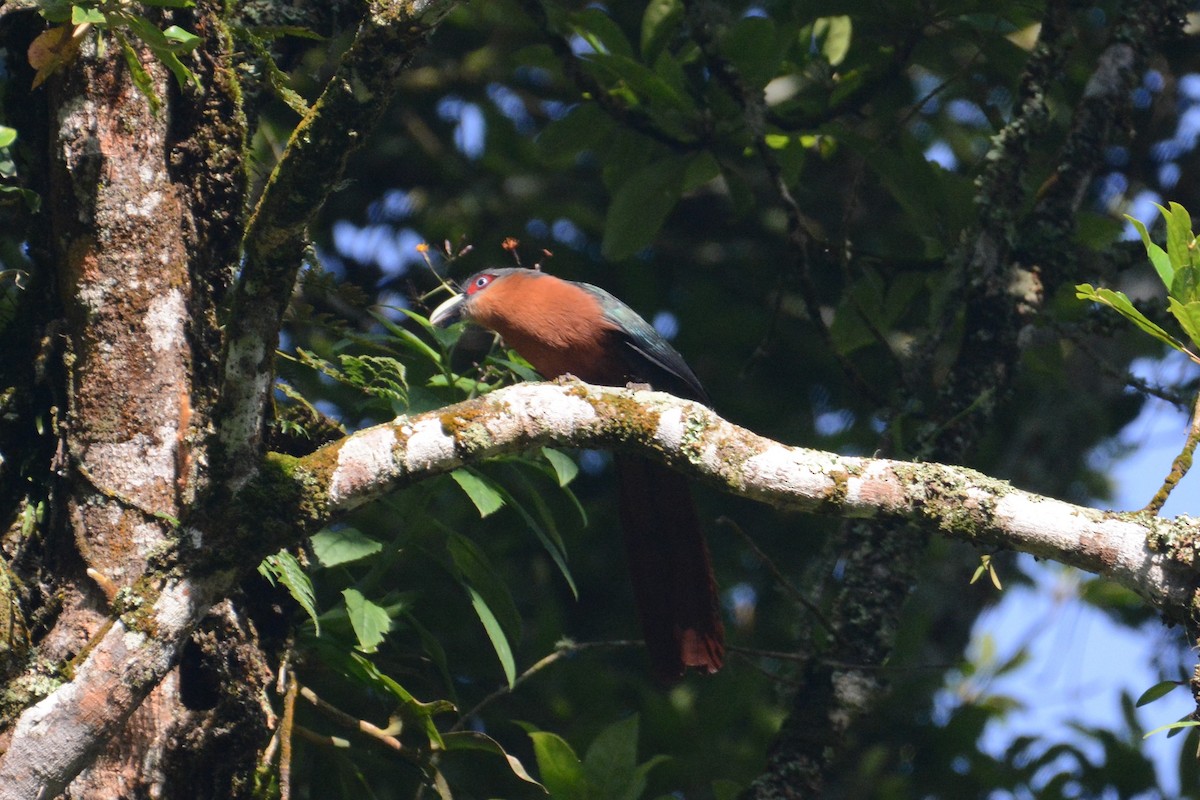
647	355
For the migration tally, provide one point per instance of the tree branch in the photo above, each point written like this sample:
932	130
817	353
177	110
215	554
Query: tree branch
1150	556
54	739
277	233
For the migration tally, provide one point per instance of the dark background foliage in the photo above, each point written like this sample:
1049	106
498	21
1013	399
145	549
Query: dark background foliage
881	151
806	254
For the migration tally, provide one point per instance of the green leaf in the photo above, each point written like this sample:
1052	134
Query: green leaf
363	669
660	21
474	740
1156	692
7	135
141	78
611	767
937	203
55	11
408	339
163	48
183	75
87	16
341	546
700	170
561	770
753	48
1158	256
490	597
1174	727
648	87
186	39
600	31
480	489
515	364
640	206
1122	305
1179	234
148	32
547	531
379	376
1185	286
284	568
565	468
496	635
613	750
370	621
834	34
474	569
1188	315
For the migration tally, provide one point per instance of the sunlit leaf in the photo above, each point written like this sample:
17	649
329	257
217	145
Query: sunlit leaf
370	621
495	634
564	466
834	35
599	30
186	39
1158	256
1174	727
561	770
660	21
284	568
480	490
87	16
341	546
141	78
1122	305
1187	314
475	740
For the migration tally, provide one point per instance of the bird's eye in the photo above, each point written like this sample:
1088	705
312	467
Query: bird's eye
479	283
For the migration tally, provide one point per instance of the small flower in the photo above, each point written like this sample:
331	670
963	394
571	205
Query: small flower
423	248
510	244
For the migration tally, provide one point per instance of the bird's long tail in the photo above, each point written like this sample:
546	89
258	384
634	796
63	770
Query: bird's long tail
672	575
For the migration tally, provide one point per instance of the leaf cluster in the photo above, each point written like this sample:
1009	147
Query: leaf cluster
71	23
1178	268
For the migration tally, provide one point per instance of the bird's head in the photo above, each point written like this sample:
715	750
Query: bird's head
458	307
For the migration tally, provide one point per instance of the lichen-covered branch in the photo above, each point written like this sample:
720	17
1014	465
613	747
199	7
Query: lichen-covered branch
54	739
277	234
1150	556
59	736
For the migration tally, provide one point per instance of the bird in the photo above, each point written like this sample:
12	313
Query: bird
562	328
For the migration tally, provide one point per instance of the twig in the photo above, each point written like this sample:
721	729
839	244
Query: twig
321	739
287	727
563	649
1175	398
780	578
784	655
1180	466
352	722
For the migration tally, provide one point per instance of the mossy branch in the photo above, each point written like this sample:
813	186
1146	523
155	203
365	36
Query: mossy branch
307	173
